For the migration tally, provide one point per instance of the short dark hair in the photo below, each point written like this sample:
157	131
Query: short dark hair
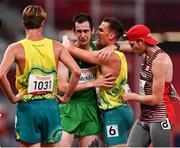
81	18
115	25
33	16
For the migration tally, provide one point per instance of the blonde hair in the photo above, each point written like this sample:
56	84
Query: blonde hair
33	16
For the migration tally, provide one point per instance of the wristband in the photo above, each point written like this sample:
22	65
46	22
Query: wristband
117	45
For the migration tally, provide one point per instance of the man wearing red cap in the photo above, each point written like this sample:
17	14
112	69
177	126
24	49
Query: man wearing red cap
157	114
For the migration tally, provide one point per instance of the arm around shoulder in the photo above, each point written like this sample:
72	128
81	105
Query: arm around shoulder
125	46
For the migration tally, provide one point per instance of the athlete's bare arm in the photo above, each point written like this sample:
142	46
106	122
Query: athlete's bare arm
88	56
159	70
67	59
111	66
9	58
103	81
105	53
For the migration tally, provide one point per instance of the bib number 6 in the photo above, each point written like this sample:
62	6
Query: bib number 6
112	131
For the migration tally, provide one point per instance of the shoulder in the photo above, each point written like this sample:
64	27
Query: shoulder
116	56
55	42
119	54
15	47
57	45
162	58
161	63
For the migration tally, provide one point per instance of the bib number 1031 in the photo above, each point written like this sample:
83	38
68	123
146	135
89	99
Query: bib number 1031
40	83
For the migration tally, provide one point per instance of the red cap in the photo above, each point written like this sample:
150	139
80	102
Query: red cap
141	32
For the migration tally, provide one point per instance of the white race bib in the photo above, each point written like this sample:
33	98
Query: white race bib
126	88
39	83
87	74
141	87
97	92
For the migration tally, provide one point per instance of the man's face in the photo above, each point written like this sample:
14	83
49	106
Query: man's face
103	33
83	32
138	47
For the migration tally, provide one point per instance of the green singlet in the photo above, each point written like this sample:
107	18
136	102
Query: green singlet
81	115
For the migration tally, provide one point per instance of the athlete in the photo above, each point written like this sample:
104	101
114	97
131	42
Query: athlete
80	116
117	114
157	114
36	57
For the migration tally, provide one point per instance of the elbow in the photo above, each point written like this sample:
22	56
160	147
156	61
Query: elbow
156	102
2	75
13	101
77	72
61	89
159	99
66	101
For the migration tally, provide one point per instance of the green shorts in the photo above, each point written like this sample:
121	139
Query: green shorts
116	123
80	119
38	121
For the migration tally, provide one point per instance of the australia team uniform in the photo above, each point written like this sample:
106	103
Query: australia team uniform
117	115
37	114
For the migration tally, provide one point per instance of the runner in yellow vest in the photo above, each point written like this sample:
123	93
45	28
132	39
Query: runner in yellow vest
36	57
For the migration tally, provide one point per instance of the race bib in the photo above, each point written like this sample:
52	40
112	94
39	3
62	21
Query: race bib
173	94
141	87
126	88
40	83
97	92
15	120
166	124
112	131
87	74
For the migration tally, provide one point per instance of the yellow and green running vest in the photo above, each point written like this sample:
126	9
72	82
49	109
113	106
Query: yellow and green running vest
109	98
39	78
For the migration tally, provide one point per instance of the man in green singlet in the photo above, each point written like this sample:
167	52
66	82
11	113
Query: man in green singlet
80	116
36	57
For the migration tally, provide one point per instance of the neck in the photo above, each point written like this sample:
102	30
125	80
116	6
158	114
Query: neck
34	34
109	43
151	50
85	46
